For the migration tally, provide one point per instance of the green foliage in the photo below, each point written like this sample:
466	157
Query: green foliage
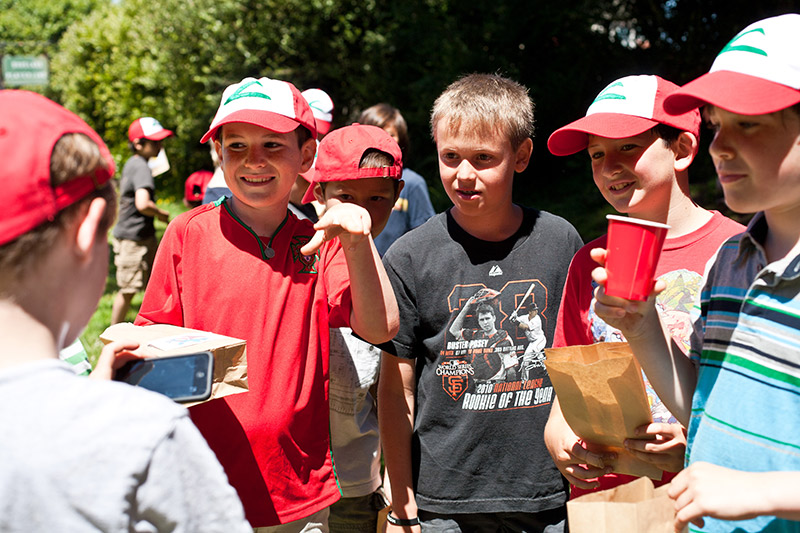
171	59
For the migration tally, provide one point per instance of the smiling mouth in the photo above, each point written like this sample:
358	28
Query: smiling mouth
620	186
257	179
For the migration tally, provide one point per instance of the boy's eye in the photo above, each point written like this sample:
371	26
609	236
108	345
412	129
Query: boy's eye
272	144
596	155
450	156
627	147
484	157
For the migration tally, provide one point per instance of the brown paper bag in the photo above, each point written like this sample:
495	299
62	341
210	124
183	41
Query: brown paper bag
230	354
601	393
636	507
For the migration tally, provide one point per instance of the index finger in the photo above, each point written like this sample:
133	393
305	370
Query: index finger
316	242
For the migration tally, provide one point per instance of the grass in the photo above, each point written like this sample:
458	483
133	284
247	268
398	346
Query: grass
102	317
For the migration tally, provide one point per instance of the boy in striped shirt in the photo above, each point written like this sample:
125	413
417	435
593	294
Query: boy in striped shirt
740	393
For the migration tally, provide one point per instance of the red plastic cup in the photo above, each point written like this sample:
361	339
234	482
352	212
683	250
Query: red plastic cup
634	246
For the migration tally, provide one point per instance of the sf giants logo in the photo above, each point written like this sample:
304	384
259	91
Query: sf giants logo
454	386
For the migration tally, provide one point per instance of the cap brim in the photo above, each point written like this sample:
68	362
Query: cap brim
309	197
322	127
265	119
159	135
734	92
574	137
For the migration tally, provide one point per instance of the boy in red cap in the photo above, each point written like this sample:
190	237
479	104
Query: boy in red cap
245	267
80	454
640	158
361	165
739	392
135	234
463	447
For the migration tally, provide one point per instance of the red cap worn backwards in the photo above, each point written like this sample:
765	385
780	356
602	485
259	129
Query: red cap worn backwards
625	108
340	152
271	104
30	126
758	72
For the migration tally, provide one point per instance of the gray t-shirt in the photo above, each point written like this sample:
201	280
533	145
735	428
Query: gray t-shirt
83	455
131	224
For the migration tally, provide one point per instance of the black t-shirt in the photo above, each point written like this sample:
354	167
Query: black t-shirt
133	225
480	413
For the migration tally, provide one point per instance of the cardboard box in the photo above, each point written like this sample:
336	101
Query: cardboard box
230	354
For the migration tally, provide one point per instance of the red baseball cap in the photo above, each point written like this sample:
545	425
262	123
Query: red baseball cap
195	185
271	104
758	72
30	126
322	108
340	152
625	108
147	128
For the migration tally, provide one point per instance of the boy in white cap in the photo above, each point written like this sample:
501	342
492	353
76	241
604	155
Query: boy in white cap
740	391
80	454
640	158
246	267
135	234
362	165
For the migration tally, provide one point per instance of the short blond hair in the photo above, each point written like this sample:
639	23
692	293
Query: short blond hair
484	104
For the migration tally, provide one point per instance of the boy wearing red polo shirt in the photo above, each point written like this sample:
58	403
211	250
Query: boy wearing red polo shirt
280	292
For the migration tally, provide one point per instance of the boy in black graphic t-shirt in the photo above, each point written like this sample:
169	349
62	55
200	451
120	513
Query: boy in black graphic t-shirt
460	413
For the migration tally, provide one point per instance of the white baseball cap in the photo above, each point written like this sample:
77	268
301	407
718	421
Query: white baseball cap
272	104
625	108
322	108
758	72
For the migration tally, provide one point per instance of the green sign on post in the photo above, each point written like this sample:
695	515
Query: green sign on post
25	70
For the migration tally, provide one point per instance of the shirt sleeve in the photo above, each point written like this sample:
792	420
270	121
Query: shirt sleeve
403	343
572	325
162	298
186	489
420	208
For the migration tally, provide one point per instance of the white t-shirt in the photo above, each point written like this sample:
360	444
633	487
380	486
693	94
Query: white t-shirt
84	455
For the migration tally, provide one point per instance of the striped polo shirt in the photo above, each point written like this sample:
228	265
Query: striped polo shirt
746	344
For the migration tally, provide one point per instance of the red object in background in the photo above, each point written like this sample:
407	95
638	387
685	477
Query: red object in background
196	185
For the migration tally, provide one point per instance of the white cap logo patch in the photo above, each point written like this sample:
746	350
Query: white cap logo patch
632	95
768	49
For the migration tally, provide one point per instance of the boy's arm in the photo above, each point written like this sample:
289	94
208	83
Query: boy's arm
374	315
671	373
709	490
396	387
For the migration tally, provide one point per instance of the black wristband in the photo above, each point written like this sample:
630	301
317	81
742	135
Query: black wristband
402	521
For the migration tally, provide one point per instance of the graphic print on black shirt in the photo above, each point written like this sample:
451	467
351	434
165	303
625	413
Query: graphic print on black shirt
493	358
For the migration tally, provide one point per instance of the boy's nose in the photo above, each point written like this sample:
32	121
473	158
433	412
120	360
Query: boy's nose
256	157
719	147
465	171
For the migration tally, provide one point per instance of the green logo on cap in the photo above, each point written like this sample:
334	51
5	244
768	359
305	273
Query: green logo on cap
732	47
606	94
241	94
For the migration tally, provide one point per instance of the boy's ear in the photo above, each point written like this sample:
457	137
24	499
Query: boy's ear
218	148
318	194
86	227
523	155
685	148
307	151
400	185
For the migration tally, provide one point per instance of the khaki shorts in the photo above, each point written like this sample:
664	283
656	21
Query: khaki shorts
133	260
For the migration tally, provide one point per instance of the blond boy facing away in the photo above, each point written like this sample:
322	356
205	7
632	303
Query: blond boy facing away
461	430
80	454
245	267
739	392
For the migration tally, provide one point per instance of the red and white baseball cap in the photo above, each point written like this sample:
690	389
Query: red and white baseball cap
758	72
322	108
625	108
340	152
271	104
195	185
30	126
147	128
